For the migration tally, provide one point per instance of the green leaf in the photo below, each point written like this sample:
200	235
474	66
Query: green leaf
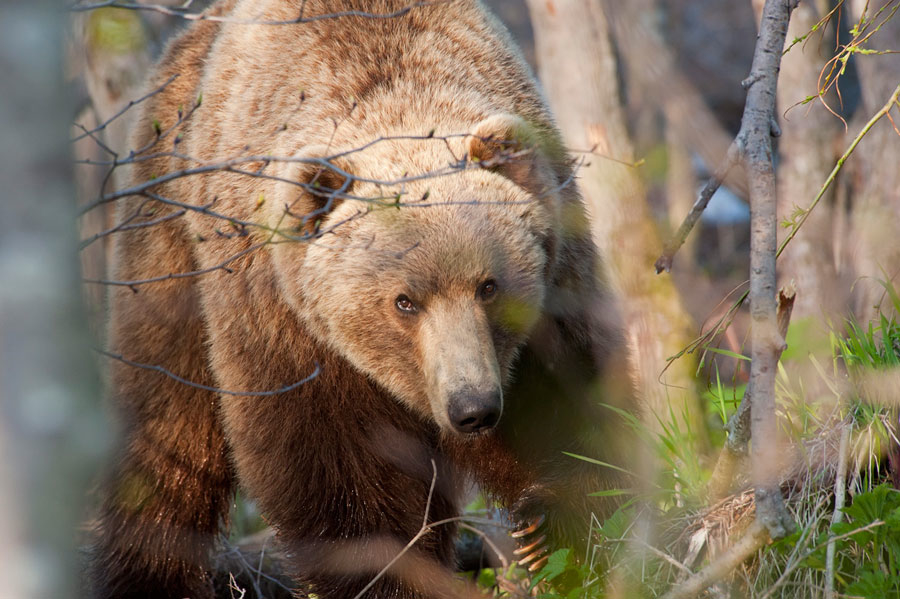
892	521
487	578
616	526
558	562
597	462
871	584
728	353
612	493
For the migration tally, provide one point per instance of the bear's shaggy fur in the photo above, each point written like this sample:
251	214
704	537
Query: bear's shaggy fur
449	282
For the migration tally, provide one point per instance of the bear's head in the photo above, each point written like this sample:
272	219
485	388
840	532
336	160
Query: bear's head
428	284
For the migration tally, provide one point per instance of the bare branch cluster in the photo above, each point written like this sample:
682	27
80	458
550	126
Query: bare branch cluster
255	166
165	143
183	12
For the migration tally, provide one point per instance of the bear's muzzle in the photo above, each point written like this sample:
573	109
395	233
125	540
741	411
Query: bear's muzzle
472	411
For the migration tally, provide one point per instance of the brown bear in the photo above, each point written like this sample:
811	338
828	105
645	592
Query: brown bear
358	275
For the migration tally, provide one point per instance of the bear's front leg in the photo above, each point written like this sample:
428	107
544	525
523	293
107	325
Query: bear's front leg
347	508
345	475
170	487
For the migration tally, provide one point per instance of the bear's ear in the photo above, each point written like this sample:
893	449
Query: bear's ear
310	187
507	144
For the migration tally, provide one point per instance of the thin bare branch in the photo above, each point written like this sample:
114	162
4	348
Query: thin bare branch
755	138
840	492
664	263
885	110
128	225
182	13
738	426
422	532
131	104
196	385
753	539
487	540
134	284
798	562
232	164
96	139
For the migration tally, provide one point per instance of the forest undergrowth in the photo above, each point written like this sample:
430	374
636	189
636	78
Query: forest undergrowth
836	394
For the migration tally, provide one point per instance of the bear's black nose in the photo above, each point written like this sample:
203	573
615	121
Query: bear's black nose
471	412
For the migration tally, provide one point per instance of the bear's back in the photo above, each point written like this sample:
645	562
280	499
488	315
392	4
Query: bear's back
354	71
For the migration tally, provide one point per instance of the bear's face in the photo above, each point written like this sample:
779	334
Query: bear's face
432	299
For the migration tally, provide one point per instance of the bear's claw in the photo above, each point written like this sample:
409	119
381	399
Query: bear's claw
535	552
528	548
538	564
518	534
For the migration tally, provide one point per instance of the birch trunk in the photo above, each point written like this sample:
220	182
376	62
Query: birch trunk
755	139
51	433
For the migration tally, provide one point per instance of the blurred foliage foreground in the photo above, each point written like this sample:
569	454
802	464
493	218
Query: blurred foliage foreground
837	396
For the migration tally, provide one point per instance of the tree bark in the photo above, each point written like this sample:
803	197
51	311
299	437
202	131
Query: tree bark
651	62
875	213
806	156
681	190
578	70
755	139
51	433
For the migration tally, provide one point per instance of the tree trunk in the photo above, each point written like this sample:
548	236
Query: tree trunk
807	155
579	73
652	65
875	213
681	192
51	431
766	343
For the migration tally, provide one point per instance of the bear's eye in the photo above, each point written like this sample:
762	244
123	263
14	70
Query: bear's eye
487	289
405	305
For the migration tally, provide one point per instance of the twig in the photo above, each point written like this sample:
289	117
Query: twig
259	566
126	108
659	553
195	385
93	135
179	275
426	528
490	543
232	164
245	568
693	587
664	262
840	490
837	167
233	586
202	16
127	225
835	68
